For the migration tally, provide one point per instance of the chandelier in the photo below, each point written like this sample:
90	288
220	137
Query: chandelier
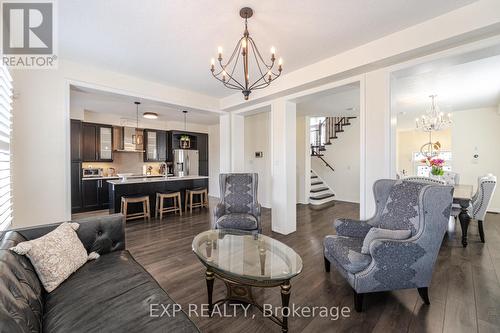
433	120
249	52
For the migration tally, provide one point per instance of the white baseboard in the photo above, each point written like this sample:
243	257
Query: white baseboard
494	210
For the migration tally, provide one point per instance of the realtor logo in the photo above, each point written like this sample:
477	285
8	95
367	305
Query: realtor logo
28	34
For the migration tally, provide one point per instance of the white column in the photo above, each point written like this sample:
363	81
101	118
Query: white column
225	143
237	143
375	139
283	151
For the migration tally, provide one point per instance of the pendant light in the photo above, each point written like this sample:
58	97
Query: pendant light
185	140
137	138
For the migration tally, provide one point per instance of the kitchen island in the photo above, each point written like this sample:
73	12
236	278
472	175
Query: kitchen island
150	186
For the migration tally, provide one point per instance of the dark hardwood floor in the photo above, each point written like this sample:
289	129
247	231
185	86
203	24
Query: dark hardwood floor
464	295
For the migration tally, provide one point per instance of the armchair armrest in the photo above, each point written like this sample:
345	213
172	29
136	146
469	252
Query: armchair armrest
352	228
256	208
219	210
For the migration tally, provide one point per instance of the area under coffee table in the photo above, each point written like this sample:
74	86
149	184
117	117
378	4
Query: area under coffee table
244	260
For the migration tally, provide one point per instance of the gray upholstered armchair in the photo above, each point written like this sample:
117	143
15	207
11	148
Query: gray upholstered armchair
421	211
238	208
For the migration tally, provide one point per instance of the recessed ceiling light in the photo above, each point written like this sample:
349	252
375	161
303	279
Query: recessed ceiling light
150	115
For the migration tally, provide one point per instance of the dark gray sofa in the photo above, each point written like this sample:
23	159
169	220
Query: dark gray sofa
110	294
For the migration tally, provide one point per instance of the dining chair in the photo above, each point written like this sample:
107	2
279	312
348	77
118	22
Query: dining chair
481	200
425	180
451	178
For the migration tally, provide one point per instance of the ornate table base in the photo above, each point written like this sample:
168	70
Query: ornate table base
464	220
240	290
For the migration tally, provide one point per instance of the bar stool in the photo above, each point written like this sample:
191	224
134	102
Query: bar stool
145	214
188	199
176	201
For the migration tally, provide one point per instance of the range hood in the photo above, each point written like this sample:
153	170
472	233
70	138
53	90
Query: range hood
123	142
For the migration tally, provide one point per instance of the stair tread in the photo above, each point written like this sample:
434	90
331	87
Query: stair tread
314	176
320	189
322	196
317	183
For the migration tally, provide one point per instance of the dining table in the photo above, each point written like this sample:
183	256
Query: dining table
462	195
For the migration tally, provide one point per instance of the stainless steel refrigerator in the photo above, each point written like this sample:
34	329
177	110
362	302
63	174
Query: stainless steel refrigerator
185	162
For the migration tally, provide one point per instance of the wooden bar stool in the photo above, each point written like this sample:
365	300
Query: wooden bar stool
145	214
188	199
176	201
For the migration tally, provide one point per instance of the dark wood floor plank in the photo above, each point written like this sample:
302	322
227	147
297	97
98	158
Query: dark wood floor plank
464	291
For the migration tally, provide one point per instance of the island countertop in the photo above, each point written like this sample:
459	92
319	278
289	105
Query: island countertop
153	180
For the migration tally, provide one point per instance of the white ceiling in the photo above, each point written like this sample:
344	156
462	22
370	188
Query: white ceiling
172	41
123	106
340	101
463	86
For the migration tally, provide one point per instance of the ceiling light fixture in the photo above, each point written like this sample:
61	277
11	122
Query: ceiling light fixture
137	138
246	46
150	115
433	120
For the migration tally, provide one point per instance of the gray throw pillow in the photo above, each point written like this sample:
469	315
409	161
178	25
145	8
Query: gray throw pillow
377	233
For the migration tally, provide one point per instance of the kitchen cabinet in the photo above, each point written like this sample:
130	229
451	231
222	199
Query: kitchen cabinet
155	144
95	194
90	194
76	187
76	140
97	143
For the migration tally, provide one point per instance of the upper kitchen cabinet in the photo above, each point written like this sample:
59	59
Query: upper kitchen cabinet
97	143
76	141
155	143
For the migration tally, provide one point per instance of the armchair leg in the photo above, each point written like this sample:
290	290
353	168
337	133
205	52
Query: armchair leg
423	292
481	231
327	265
358	301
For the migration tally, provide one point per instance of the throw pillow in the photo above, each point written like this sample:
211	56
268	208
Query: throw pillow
55	255
377	233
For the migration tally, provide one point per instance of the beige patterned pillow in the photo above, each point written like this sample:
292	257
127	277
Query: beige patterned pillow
56	255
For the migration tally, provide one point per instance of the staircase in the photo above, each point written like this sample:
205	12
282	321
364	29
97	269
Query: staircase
323	134
320	193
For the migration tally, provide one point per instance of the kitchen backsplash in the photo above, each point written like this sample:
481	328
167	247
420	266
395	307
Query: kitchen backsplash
124	163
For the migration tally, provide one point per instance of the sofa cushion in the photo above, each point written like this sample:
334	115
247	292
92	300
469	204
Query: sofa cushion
55	255
110	294
347	252
239	221
21	293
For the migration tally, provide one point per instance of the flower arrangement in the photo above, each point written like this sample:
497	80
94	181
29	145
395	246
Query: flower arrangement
436	165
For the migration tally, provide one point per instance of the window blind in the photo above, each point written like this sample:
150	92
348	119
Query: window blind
5	161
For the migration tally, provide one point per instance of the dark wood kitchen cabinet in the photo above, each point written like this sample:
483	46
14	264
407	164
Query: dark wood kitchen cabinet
155	145
76	187
76	140
97	142
95	194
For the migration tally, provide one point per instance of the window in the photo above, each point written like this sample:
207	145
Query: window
5	162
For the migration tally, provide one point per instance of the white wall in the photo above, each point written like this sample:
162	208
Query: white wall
40	136
213	160
477	132
258	139
343	154
303	160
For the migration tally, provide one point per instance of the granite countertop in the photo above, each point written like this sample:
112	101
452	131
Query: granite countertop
153	179
116	177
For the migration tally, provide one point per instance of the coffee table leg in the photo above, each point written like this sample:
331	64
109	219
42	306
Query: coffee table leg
209	276
464	222
285	300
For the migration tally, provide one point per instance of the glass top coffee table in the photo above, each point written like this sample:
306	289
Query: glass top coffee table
243	261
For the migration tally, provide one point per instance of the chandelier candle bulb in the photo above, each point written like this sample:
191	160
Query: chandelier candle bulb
219	50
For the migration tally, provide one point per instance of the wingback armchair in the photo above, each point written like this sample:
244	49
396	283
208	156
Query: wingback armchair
238	207
392	264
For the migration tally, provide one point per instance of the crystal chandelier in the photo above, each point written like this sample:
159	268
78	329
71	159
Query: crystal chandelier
248	50
433	120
